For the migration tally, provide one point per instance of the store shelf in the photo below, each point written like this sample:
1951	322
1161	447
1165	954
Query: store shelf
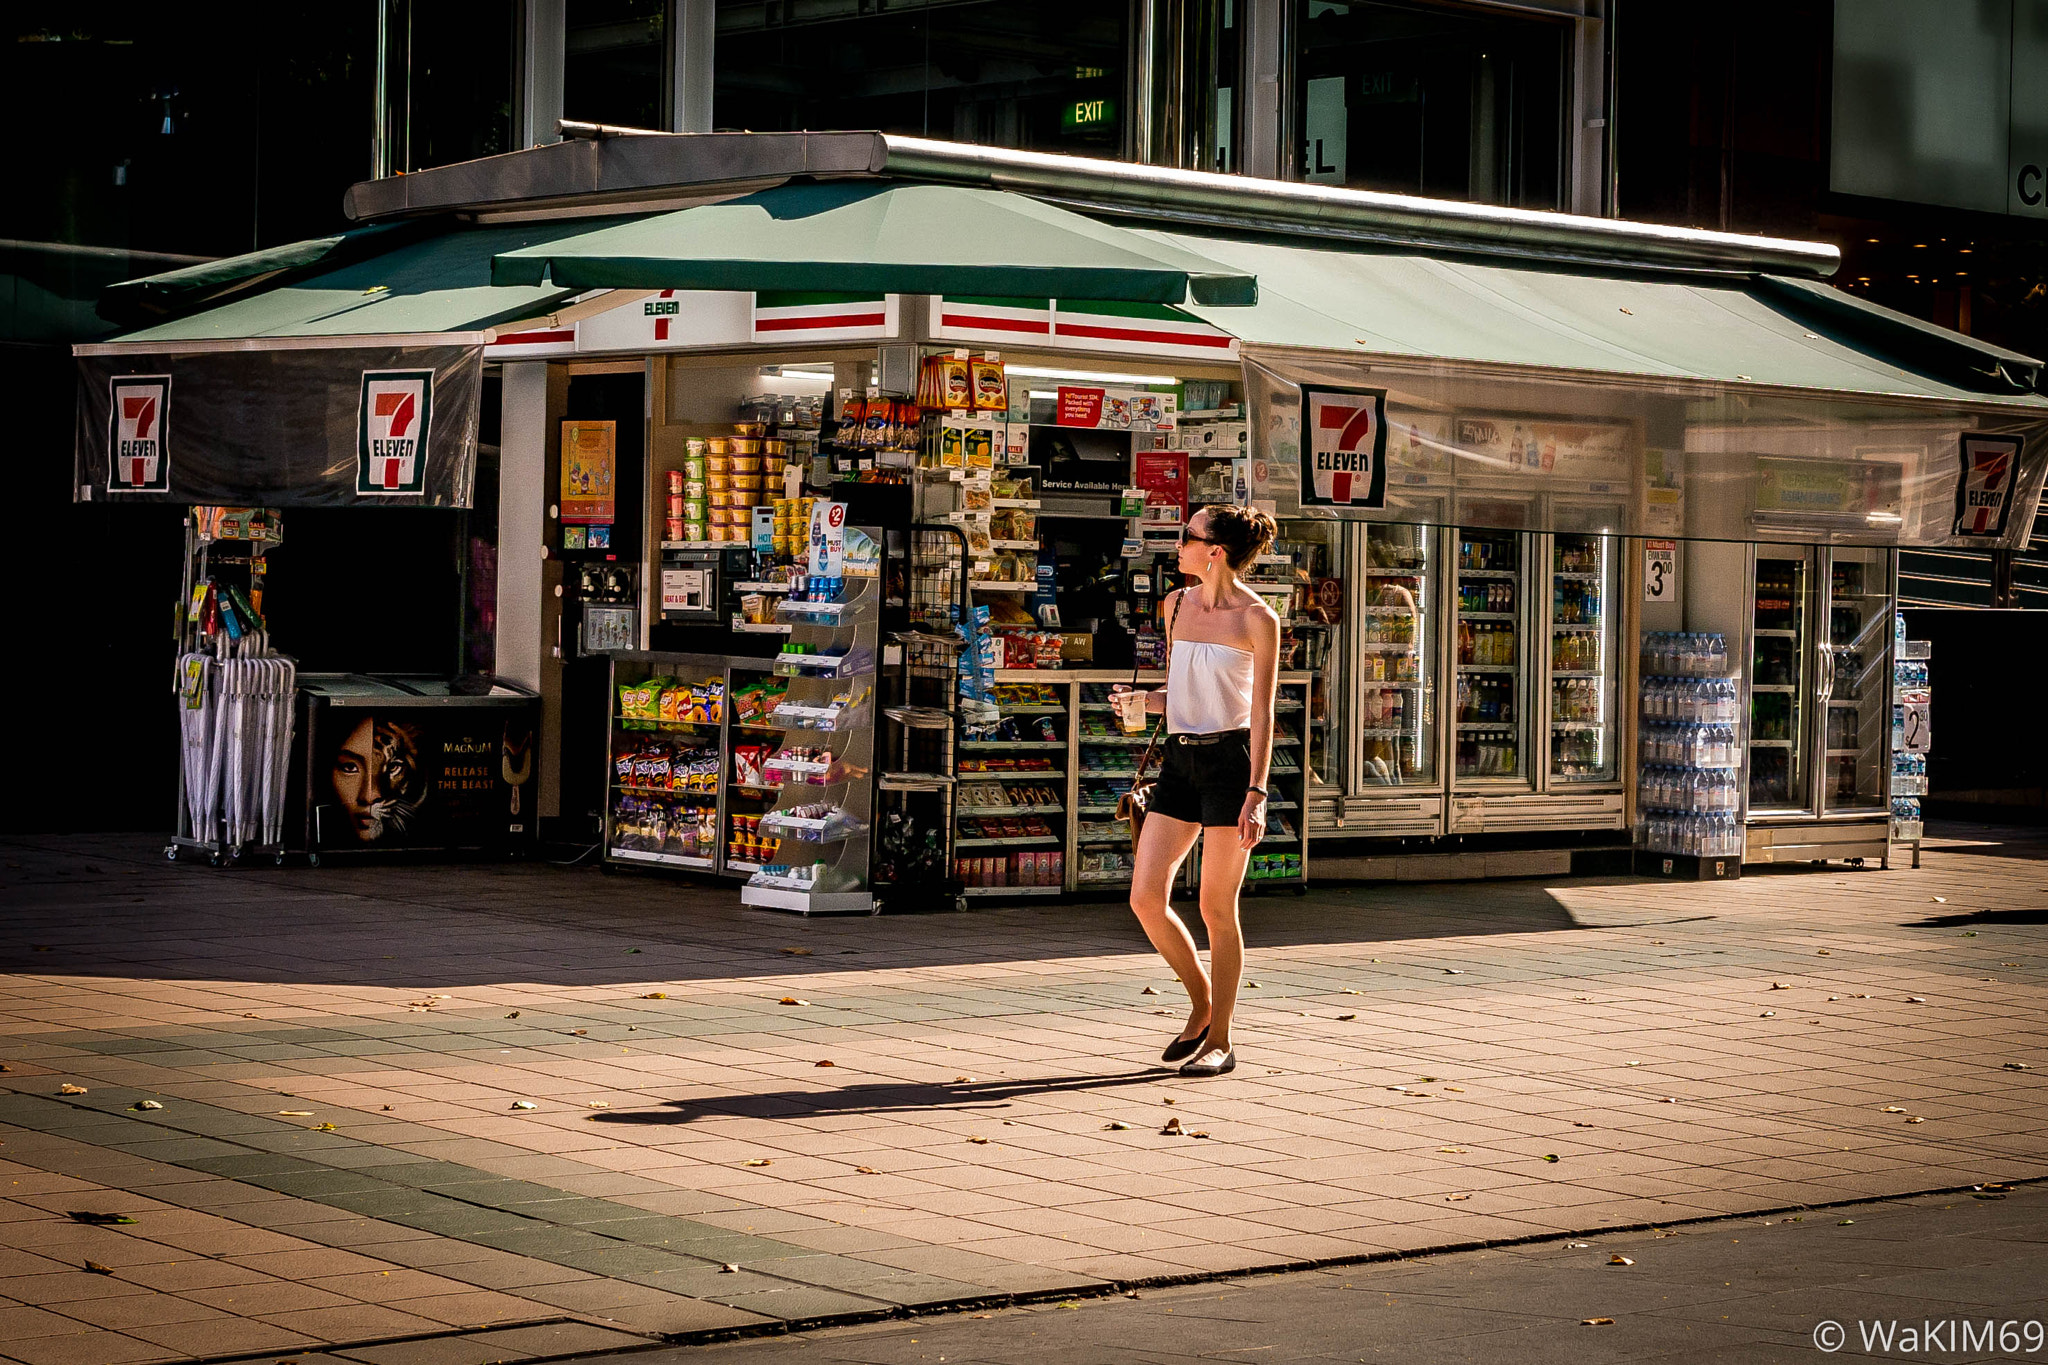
638	855
1770	744
1487	668
759	587
808	902
1493	726
1776	634
1485	615
702	798
1021	841
651	721
999	585
740	865
1578	725
1396	573
1844	753
1013	544
1589	627
1385	647
1108	773
964	811
1103	879
1136	740
1030	504
1573	673
1011	890
1013	745
1772	687
761	627
918	782
920	717
1575	577
1038	708
1489	573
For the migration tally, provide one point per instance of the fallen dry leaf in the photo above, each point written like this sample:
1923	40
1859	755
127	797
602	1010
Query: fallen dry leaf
524	1104
1455	1089
1916	1119
1348	991
296	1113
1251	985
1580	1123
798	952
1618	1259
655	995
757	1161
866	1170
728	1269
1452	1151
1550	1156
965	1080
1845	1222
2019	1066
791	1000
1343	1018
103	1219
1162	1011
1596	1322
1172	1128
1941	900
323	1128
513	1015
1916	999
1114	1126
827	1063
1198	1133
69	1089
1148	991
979	1141
1454	1198
1780	986
1891	1109
1822	952
145	1105
96	1268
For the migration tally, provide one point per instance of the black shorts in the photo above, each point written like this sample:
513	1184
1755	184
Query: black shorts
1204	783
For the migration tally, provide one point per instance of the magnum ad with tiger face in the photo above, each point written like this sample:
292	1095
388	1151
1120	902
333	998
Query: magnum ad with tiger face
415	777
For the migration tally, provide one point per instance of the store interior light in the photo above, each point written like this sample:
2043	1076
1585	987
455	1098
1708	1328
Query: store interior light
812	371
1091	376
1884	519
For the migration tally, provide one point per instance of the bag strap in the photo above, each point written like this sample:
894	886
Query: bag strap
1153	742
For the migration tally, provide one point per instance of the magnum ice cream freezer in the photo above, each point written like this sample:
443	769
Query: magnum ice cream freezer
393	763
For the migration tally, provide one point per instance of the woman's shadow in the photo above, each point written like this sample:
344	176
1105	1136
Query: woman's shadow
964	1094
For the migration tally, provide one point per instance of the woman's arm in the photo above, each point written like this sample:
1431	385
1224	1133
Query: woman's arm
1155	700
1251	822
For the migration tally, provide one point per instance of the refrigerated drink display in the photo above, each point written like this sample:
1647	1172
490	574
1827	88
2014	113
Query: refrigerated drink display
1305	561
1778	684
1582	741
1489	696
1397	723
1688	788
1855	666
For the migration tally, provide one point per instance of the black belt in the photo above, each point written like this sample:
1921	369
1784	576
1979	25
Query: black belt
1217	738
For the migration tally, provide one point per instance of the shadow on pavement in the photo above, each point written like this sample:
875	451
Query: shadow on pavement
877	1099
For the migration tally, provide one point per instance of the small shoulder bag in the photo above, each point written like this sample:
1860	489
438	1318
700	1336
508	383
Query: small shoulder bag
1133	804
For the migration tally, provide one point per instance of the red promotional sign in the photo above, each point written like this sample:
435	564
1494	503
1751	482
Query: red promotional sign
1163	474
1080	407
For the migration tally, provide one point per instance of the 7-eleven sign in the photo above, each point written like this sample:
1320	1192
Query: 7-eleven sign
139	411
392	423
1984	494
1344	445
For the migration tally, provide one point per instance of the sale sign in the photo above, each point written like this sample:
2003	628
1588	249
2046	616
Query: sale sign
1344	440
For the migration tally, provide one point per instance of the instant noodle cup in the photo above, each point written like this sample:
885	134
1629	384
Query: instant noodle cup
693	509
745	446
694	489
775	447
675	481
748	428
718	445
718	483
749	482
718	464
746	464
721	516
694	446
720	497
693	468
675	528
693	530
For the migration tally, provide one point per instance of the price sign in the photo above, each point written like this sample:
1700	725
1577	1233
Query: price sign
1660	571
1915	736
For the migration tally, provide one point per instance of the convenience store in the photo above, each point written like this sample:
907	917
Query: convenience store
1562	434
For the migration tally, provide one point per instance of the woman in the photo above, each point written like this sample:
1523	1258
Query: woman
1222	663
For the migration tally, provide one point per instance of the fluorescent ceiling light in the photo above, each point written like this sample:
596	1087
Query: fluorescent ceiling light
1091	376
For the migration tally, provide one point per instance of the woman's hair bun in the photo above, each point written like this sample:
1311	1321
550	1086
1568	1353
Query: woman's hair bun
1243	532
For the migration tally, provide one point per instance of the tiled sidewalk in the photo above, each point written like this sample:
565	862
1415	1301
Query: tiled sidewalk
343	1060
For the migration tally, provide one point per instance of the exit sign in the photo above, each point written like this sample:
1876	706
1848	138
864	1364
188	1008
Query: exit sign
1088	114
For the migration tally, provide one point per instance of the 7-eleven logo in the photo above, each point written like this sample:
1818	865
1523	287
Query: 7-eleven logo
1984	496
1346	435
138	411
392	424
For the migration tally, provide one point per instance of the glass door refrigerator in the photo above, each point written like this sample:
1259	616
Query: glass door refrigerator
1855	671
1783	687
1584	662
1490	653
1395	659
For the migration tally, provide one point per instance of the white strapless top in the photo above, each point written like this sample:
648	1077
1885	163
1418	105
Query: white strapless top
1209	688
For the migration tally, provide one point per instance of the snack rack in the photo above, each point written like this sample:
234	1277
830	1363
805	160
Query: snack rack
815	837
915	825
1911	695
656	816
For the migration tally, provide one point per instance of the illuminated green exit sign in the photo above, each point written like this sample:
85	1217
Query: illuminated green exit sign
1088	114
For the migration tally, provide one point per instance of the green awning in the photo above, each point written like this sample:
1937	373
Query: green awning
900	239
431	284
1757	330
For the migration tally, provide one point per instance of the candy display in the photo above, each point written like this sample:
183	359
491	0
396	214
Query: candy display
671	703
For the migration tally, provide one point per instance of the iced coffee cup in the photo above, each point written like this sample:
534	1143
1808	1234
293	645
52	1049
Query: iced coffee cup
1130	711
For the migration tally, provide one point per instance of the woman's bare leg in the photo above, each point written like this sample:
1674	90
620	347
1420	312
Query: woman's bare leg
1223	864
1162	848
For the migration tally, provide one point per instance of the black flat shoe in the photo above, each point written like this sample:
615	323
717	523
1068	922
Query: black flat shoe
1203	1067
1182	1048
